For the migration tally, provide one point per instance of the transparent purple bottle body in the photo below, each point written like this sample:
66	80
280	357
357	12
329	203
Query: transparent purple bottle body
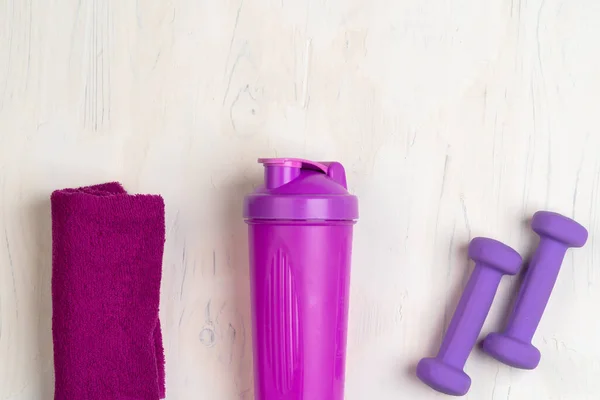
300	239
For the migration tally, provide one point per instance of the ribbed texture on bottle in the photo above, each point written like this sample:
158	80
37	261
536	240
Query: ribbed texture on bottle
282	338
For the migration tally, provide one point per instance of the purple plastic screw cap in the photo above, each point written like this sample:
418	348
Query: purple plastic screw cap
557	234
294	189
444	372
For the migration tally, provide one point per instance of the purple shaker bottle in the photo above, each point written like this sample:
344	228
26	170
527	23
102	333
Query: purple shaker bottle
300	239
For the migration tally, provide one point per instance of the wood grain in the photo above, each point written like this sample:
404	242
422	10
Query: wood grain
454	119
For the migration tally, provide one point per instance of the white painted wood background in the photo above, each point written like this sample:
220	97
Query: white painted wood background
454	119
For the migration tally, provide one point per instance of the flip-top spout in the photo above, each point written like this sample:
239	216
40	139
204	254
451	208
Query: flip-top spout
279	171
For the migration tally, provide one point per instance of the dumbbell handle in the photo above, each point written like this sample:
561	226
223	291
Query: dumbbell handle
536	289
470	314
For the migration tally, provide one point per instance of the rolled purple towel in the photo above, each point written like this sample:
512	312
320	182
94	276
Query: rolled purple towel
107	249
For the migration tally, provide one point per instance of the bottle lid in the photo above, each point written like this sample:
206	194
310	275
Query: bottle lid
297	189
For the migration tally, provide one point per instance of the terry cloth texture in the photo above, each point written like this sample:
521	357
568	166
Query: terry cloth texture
107	250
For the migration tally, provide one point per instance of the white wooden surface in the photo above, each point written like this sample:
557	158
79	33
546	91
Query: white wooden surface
453	118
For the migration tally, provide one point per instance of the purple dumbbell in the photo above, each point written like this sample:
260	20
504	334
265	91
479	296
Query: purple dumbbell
557	234
444	373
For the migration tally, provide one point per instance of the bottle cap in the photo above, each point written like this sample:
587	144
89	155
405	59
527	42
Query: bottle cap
298	189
